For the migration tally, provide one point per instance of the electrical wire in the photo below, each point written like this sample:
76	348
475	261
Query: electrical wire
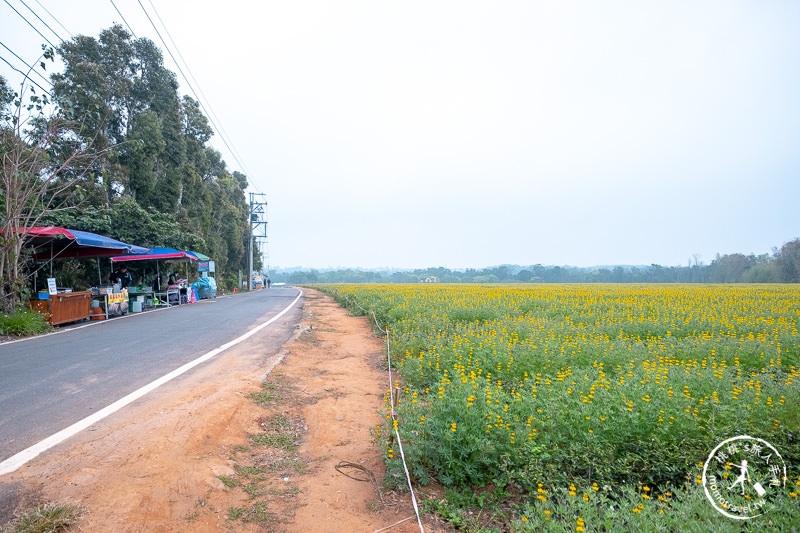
26	76
123	19
27	65
40	20
219	130
54	18
199	89
29	24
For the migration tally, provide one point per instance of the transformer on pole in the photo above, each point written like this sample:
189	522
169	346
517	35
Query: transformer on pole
258	230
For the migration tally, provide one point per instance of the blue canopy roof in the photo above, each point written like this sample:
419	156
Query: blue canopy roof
158	254
60	243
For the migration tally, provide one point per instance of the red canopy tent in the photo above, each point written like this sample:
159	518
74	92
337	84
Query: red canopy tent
50	242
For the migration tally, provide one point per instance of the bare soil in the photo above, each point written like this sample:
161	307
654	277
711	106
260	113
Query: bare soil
248	443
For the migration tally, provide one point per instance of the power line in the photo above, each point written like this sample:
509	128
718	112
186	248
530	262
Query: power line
29	24
199	89
26	76
54	18
40	20
26	64
225	142
123	19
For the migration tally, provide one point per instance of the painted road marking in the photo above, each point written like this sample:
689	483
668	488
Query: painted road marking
19	459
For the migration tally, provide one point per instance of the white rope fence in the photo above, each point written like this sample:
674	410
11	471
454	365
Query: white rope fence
393	414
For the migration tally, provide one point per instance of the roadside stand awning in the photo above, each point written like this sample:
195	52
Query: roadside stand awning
199	256
158	254
168	255
50	242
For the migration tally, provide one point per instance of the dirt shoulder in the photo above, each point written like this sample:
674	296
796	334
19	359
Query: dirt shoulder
228	448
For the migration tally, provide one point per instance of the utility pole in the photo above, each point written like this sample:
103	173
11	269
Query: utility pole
258	230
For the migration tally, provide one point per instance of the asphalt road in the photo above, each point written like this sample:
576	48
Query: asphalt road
49	383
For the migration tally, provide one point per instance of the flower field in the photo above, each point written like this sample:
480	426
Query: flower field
588	402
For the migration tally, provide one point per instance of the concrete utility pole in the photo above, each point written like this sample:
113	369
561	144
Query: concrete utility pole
258	230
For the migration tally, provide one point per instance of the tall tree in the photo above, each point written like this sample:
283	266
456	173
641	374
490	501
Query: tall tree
34	182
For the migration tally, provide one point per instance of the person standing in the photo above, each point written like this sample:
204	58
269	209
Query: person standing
268	282
121	276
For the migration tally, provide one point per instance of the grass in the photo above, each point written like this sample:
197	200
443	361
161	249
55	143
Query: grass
23	322
255	513
272	452
228	481
279	422
289	466
267	395
283	441
46	518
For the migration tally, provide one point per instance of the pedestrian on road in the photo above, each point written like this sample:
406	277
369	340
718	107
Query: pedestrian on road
268	283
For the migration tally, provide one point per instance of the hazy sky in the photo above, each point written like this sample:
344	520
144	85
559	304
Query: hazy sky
428	133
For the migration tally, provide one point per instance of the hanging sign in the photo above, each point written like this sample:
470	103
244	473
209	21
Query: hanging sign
202	266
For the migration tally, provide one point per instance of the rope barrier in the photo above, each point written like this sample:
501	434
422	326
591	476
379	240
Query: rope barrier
394	414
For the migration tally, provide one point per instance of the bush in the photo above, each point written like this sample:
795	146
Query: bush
23	322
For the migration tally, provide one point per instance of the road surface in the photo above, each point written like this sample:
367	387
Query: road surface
50	382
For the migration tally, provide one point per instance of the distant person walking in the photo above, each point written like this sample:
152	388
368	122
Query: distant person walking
269	282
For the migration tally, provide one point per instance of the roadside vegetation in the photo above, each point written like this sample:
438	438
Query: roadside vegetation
23	322
264	470
45	518
586	407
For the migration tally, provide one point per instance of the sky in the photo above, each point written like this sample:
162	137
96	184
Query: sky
471	134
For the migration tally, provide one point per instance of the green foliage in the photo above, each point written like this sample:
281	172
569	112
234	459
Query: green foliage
23	322
284	441
513	387
228	481
160	185
46	518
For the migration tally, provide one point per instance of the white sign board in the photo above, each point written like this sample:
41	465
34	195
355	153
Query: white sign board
211	266
51	285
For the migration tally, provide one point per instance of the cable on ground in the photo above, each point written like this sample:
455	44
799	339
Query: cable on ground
394	416
371	477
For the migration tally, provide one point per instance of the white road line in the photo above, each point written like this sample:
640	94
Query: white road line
15	461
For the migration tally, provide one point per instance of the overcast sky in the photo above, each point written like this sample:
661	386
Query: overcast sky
470	134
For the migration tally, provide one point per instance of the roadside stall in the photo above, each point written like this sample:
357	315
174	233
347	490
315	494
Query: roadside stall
49	243
159	292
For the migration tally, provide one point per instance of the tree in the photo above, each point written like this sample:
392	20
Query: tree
788	262
34	181
729	268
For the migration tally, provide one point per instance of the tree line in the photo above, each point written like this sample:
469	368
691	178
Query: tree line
782	266
139	167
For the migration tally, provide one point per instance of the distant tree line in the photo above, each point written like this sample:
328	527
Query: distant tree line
782	266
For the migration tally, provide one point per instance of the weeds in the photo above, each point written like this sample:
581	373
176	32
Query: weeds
46	518
23	322
266	396
228	481
283	441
